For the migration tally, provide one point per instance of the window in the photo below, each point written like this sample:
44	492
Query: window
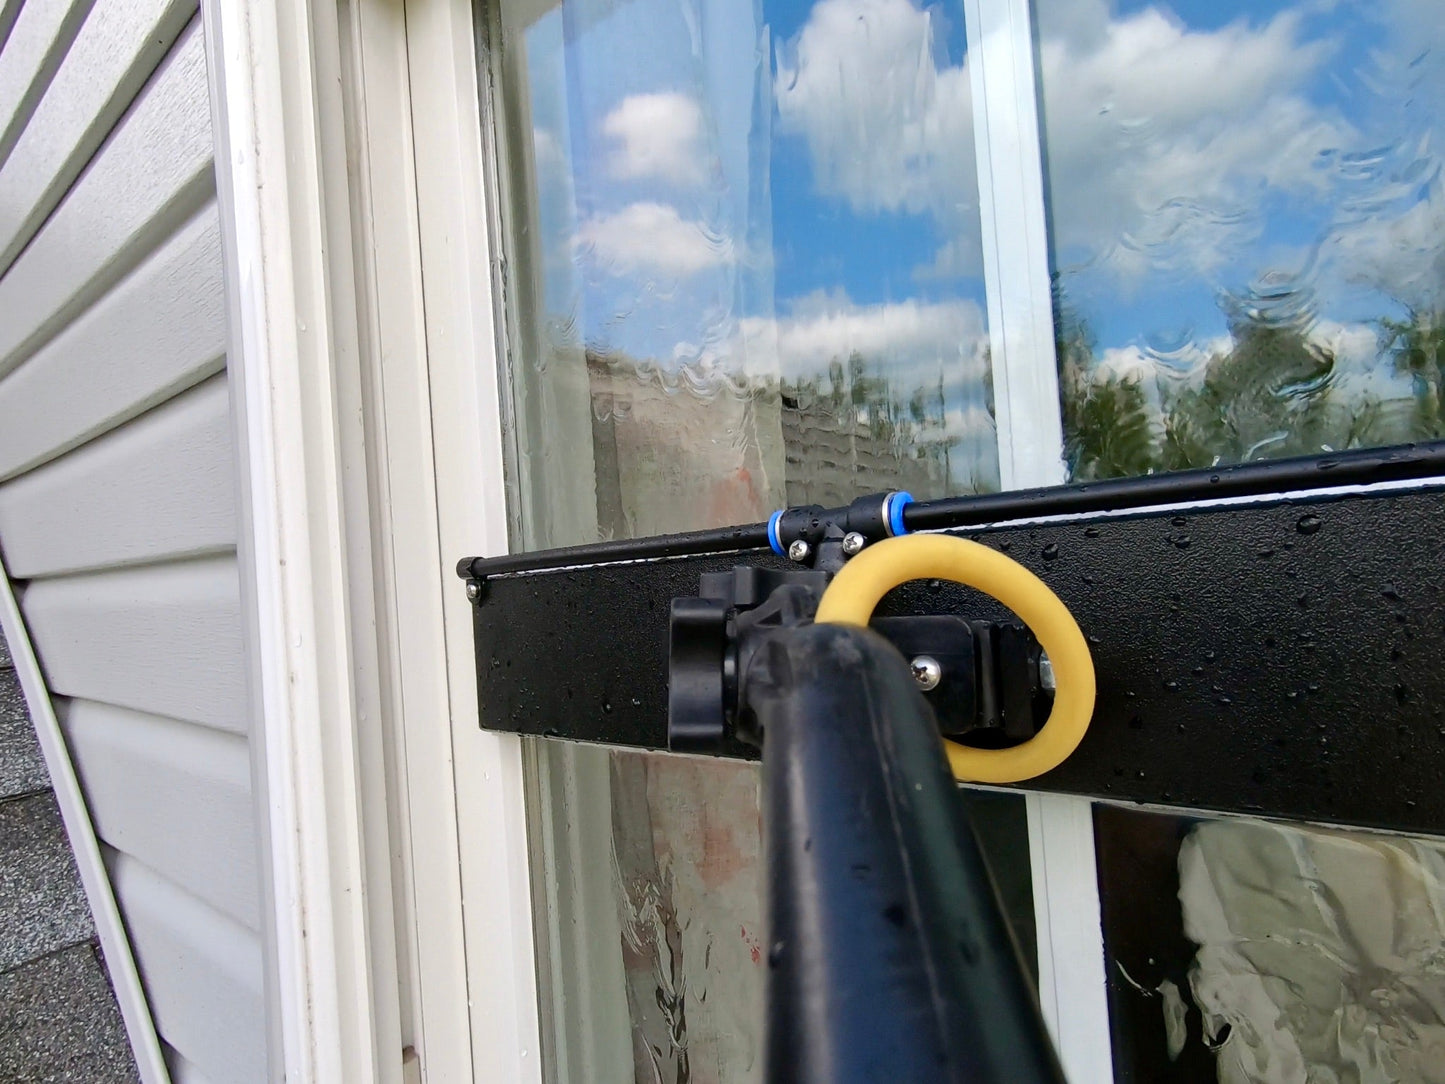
784	253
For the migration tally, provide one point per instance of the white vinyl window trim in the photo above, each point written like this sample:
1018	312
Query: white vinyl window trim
465	878
354	182
330	975
1072	989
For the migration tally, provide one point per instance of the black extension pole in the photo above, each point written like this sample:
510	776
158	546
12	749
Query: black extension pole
889	959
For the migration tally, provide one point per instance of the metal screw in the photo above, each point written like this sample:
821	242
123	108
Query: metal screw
474	590
853	542
799	549
926	672
1046	673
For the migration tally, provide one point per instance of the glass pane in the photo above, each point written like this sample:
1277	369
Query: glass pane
743	271
1240	950
1247	224
744	259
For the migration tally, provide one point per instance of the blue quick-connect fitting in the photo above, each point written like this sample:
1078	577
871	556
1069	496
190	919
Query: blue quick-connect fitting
773	539
893	512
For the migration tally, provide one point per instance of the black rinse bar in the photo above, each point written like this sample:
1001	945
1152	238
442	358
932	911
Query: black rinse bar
1352	468
1279	658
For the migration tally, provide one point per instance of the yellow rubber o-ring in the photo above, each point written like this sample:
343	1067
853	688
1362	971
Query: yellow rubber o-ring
866	578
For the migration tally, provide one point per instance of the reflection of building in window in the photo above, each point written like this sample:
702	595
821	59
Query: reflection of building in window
835	456
673	452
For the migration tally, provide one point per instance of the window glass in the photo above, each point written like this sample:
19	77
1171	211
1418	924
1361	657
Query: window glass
1246	223
1240	950
743	271
744	260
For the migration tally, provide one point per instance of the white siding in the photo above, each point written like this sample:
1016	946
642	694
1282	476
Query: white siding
162	638
114	53
154	171
118	491
80	511
175	796
160	330
201	970
9	10
43	29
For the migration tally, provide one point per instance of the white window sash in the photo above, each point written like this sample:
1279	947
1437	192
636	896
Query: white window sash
1072	987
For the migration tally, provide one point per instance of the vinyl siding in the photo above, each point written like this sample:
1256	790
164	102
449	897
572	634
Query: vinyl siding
118	493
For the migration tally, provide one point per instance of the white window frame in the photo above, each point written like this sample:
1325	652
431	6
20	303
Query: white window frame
398	932
459	818
292	358
442	374
1072	988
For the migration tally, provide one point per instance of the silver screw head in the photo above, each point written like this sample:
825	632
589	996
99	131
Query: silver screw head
926	672
799	549
474	590
853	542
1046	673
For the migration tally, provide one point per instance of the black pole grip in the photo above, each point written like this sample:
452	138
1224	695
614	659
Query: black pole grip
889	959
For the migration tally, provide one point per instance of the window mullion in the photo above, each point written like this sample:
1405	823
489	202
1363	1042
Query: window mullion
1030	436
1015	243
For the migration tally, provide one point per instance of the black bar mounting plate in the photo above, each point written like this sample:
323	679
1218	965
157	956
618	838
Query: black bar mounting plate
1280	659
